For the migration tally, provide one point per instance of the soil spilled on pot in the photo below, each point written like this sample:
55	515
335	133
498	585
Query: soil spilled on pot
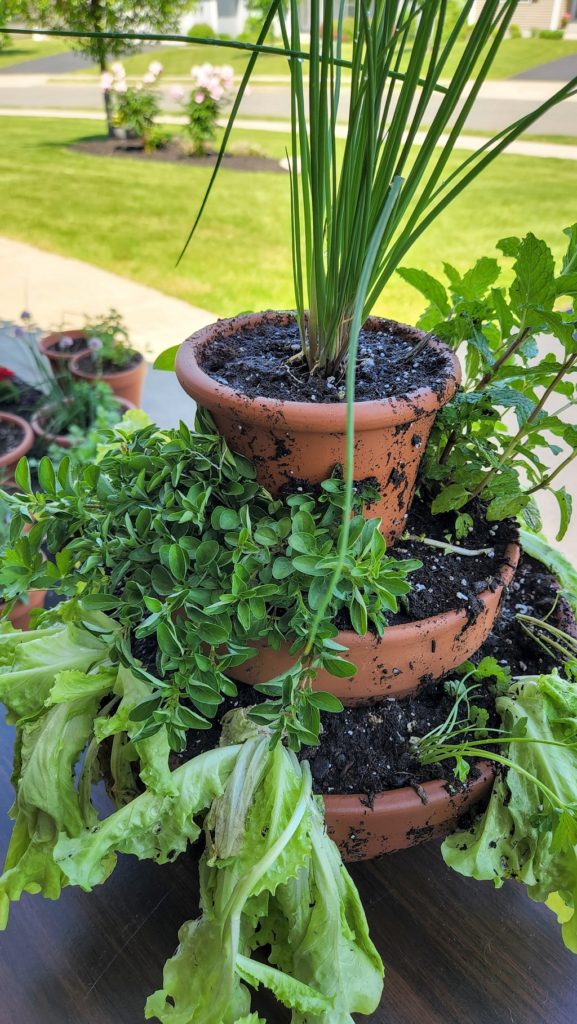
370	749
11	436
264	360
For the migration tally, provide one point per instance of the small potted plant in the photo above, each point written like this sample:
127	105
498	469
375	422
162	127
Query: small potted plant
16	436
60	347
110	358
67	417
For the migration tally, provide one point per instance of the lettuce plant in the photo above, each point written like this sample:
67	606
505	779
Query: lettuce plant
269	873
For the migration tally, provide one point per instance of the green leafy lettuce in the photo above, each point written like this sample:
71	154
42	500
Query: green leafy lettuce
530	833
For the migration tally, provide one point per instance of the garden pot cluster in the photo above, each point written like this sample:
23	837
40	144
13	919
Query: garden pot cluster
298	444
68	352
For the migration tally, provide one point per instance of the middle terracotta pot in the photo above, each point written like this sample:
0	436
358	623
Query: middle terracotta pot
406	655
303	441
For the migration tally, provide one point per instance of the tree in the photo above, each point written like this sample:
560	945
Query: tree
105	16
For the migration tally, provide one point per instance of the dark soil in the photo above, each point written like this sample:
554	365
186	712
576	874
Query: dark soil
10	436
27	400
78	344
88	364
369	749
255	361
133	149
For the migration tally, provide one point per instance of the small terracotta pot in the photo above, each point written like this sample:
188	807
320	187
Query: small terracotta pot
20	614
62	440
304	441
406	656
398	818
11	458
127	384
60	361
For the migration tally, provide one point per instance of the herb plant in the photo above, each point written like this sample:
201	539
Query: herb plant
508	433
170	531
108	341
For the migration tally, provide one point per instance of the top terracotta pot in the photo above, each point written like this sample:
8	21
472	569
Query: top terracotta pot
291	441
9	460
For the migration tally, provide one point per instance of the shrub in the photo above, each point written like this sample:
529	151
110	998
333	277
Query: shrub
203	31
515	32
135	107
550	33
203	103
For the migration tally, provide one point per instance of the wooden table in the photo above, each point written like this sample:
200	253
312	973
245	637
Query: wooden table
456	951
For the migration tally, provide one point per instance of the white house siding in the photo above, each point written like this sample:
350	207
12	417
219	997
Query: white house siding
533	13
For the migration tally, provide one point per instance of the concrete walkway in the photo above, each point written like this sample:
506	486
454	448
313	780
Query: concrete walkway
59	292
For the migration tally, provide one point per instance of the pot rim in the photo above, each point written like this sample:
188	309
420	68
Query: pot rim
119	377
318	417
14	454
47	342
405	798
450	618
63	439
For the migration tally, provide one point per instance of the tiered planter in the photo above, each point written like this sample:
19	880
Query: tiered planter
302	441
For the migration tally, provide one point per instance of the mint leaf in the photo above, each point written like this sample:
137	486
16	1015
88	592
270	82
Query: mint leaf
565	503
476	281
452	497
534	284
428	286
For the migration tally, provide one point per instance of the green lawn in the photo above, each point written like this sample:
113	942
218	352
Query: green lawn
132	217
23	49
515	55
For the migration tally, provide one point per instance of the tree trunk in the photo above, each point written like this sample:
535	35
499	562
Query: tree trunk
107	100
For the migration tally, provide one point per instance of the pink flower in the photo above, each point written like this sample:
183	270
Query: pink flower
226	72
120	86
216	92
176	93
149	78
118	69
94	344
156	68
106	81
199	97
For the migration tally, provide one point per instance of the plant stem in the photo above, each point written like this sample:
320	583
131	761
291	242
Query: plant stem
523	430
549	479
450	549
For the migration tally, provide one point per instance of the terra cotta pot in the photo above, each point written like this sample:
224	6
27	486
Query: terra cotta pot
20	614
291	441
127	384
62	440
11	458
60	361
405	656
399	818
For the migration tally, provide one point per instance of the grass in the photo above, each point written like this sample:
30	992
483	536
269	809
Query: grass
132	217
25	49
515	55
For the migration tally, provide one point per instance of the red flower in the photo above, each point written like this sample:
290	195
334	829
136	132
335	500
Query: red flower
5	373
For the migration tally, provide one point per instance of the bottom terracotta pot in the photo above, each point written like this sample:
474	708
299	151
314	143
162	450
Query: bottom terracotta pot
399	818
20	614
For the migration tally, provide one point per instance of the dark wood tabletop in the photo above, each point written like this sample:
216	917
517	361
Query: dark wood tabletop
455	951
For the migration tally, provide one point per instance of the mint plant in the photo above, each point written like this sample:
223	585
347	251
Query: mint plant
502	438
170	531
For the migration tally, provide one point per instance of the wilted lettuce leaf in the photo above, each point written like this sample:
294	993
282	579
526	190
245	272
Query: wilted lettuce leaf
522	835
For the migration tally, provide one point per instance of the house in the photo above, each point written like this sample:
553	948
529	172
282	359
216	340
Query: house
226	17
539	14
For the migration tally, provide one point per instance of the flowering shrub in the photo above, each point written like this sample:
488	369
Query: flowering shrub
211	85
135	107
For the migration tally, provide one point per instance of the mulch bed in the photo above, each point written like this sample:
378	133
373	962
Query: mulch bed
173	153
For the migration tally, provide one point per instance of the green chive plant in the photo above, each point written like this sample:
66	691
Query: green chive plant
398	170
